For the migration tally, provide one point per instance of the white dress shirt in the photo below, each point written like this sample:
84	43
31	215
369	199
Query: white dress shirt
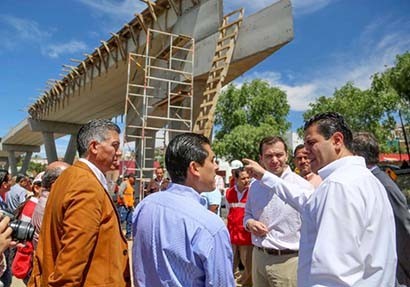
348	231
98	173
282	220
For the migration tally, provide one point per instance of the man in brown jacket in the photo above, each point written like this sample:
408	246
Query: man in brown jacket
81	243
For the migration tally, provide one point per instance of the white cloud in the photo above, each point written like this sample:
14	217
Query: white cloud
117	10
55	50
302	7
16	30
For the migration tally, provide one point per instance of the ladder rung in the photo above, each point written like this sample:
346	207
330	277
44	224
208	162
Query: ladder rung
208	92
240	11
226	47
206	104
216	79
237	21
232	35
213	70
202	118
217	59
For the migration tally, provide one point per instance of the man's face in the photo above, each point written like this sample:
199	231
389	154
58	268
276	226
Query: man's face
302	161
131	180
242	181
274	158
108	152
159	173
320	151
207	171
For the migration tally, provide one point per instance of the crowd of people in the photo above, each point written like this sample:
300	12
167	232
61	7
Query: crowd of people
336	220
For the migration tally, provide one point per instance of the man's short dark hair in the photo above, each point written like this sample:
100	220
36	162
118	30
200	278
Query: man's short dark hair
20	177
237	172
50	176
181	151
131	176
271	140
330	123
365	144
94	130
298	147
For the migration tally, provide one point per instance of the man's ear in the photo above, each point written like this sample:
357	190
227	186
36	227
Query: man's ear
193	168
338	140
92	147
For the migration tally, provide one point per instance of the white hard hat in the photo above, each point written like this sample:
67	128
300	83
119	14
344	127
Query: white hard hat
235	164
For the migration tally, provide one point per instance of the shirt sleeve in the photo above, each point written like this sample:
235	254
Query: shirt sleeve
294	194
82	218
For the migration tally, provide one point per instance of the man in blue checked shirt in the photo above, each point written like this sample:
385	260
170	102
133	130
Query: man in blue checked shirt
177	241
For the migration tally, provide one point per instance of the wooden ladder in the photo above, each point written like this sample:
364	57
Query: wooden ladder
228	33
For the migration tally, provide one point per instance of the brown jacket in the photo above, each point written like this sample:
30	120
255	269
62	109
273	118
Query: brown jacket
81	243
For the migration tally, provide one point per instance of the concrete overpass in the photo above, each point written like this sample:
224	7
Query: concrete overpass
96	86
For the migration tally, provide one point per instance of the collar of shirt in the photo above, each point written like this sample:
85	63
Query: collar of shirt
331	167
100	176
286	172
240	194
186	191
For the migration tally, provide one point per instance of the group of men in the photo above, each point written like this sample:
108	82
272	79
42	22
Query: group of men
340	232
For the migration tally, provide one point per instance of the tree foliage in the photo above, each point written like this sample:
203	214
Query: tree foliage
247	114
364	110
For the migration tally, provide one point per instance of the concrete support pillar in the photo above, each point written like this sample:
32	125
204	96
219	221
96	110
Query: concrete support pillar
12	162
50	146
26	162
71	149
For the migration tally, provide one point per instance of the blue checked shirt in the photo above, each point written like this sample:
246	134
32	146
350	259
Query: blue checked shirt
178	242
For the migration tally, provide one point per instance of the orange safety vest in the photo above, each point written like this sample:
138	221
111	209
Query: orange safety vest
129	195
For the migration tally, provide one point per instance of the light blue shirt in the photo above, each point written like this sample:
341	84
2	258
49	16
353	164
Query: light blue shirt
16	196
213	198
178	242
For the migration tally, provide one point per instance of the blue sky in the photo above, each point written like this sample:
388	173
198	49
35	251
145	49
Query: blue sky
335	41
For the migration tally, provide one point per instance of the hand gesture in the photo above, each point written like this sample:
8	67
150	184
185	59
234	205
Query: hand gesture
253	168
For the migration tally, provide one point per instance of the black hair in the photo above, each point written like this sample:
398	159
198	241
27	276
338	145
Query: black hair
271	140
181	151
330	123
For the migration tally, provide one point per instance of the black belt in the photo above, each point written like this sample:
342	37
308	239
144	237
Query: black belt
278	252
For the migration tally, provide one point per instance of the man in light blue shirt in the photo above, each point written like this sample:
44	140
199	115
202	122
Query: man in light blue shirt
177	241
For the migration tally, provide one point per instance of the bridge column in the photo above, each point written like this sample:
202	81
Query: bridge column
50	146
71	149
26	162
13	162
49	129
12	149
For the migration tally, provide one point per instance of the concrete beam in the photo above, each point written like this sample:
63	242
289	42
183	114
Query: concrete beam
53	127
19	148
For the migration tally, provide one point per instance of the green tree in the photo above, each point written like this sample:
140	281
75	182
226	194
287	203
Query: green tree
247	114
364	110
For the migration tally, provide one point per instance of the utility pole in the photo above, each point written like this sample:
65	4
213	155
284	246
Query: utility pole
405	135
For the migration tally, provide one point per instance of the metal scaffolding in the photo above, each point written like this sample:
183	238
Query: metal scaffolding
159	98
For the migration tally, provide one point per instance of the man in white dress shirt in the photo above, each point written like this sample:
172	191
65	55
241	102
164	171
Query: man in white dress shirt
348	233
274	225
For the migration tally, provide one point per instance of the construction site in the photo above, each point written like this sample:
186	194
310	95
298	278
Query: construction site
161	73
